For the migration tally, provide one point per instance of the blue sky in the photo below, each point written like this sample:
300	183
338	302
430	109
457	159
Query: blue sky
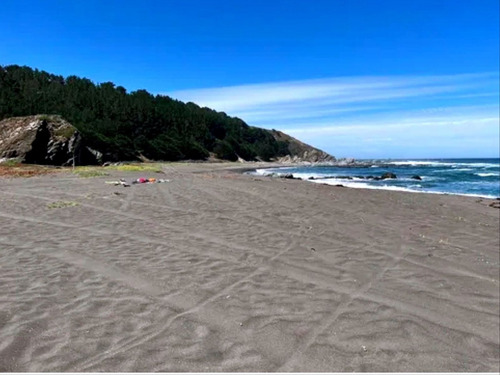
400	79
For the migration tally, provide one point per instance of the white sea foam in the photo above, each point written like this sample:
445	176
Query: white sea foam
284	171
410	185
306	176
478	165
320	176
361	185
415	163
259	172
418	162
486	174
264	172
357	185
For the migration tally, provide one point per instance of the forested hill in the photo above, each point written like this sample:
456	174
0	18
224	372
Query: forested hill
126	126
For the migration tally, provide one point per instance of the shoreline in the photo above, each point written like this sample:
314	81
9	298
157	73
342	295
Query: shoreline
349	184
221	271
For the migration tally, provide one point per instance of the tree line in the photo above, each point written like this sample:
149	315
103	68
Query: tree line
125	126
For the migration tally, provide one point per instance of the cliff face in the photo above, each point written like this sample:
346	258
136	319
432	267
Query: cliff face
300	152
127	126
43	139
51	140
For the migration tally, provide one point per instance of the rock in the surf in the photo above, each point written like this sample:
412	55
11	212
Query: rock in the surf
387	175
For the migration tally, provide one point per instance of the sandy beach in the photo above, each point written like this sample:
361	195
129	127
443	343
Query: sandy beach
222	271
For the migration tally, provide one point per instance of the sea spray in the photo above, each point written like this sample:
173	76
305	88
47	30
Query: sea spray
473	177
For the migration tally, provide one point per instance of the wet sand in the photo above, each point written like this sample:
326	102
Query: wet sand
219	271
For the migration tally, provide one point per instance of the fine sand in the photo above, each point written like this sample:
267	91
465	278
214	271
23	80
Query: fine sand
220	271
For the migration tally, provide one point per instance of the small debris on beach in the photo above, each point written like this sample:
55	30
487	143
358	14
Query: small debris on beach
119	182
140	180
495	204
150	180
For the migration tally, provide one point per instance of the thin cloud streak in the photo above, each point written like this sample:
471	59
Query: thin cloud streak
336	104
337	113
329	91
378	126
293	113
428	117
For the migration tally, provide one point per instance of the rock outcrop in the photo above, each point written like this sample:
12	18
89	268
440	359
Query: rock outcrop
44	139
387	175
51	140
300	152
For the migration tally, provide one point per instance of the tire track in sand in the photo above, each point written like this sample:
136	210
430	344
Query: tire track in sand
289	363
263	268
138	341
458	267
131	344
95	265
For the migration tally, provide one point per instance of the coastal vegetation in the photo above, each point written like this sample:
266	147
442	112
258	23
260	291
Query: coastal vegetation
135	125
97	171
62	204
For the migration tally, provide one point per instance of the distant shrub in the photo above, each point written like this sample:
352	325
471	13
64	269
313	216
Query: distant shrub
223	150
156	168
65	132
88	172
45	117
62	204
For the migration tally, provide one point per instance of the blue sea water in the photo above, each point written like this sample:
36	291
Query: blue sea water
474	177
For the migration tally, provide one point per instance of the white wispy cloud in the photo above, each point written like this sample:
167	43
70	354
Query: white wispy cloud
364	109
328	92
445	132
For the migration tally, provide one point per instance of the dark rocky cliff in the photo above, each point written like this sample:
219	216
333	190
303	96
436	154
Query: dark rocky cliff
299	152
51	140
43	139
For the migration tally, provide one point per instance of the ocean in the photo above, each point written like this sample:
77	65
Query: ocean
472	177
